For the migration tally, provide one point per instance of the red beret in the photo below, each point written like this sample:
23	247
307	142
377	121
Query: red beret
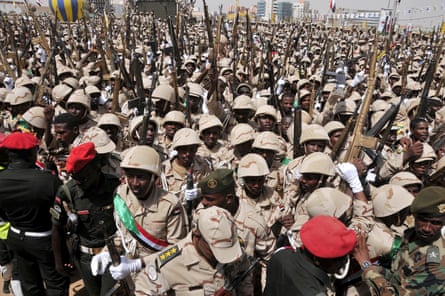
327	237
20	141
79	157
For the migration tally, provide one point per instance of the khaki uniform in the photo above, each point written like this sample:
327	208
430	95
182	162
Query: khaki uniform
161	215
218	155
180	269
174	177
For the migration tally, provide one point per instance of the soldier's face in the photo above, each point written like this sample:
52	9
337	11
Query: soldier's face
210	136
428	229
420	132
265	123
314	146
254	185
243	148
309	182
242	115
171	128
335	135
217	199
64	134
140	182
77	110
186	155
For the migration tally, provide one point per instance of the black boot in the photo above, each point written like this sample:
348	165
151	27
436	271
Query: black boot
6	287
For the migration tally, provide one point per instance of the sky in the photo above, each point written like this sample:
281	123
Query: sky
427	12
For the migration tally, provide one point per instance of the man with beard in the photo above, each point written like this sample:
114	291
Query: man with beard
417	268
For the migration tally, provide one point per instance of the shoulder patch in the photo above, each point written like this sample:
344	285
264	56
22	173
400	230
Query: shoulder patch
433	255
168	254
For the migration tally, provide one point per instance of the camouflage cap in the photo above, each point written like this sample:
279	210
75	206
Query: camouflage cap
430	201
207	121
100	139
390	199
218	181
241	133
142	157
79	96
24	81
60	92
20	95
266	110
217	227
185	137
252	165
267	141
329	202
405	179
36	117
317	163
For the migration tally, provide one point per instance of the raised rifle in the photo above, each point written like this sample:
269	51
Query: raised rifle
176	57
189	203
359	140
208	25
298	148
429	77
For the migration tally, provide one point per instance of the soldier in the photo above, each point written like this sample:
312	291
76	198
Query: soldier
241	140
186	143
111	124
218	189
25	201
417	267
172	122
409	181
195	265
79	105
210	130
308	270
83	209
158	212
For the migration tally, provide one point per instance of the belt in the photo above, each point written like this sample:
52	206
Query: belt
30	233
90	251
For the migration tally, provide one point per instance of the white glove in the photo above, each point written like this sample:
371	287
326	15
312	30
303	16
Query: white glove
99	263
191	194
281	82
358	78
348	172
126	267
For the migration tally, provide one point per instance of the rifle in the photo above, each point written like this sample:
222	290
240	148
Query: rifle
228	288
341	142
435	178
359	140
189	203
124	286
298	148
429	77
207	22
176	57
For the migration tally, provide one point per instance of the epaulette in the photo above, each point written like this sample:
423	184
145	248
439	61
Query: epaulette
168	254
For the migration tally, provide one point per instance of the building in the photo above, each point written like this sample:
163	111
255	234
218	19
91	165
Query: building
284	11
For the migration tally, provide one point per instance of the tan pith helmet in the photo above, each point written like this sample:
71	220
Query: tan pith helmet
266	141
35	116
142	157
185	137
313	132
390	199
252	165
241	133
329	202
317	163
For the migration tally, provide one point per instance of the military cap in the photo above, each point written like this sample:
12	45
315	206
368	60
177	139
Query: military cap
60	91
195	90
332	126
241	133
109	119
252	165
142	157
20	141
243	102
35	116
99	137
79	157
345	107
405	178
164	92
20	95
267	141
185	137
266	110
327	237
79	96
218	229
218	181
24	81
328	202
174	116
208	121
430	201
313	132
390	199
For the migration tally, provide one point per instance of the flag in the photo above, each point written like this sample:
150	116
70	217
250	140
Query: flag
332	5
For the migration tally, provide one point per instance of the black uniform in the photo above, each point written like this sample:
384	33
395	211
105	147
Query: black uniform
291	273
94	211
26	195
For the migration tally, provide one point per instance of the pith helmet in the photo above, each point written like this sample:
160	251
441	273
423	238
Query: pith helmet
329	202
332	126
79	96
313	132
195	89
267	141
241	133
142	157
405	179
3	92
99	137
71	82
317	163
208	121
36	117
109	119
174	116
390	199
136	122
185	137
266	110
164	92
252	165
60	92
427	154
24	81
243	102
20	95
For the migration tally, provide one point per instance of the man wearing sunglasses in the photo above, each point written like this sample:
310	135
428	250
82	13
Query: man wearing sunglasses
417	269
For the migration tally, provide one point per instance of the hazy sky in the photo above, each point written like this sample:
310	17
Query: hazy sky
429	12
